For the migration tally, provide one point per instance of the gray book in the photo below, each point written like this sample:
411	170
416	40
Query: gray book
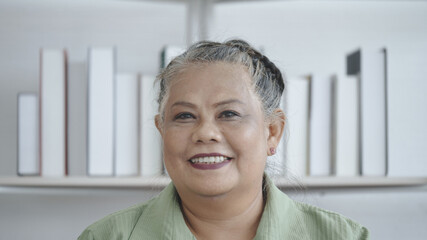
77	119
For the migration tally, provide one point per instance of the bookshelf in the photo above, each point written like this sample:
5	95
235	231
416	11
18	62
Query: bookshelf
198	16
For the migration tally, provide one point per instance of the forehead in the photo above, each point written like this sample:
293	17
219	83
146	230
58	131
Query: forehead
218	77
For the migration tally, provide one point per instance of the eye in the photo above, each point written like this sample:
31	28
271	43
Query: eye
184	116
228	114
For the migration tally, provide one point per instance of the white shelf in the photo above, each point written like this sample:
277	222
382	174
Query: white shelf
162	181
86	182
340	182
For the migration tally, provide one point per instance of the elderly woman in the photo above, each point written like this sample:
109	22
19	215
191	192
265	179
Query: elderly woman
219	118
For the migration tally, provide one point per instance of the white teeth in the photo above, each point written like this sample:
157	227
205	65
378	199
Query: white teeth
209	160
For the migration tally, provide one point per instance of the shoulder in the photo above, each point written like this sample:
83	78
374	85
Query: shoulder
138	220
285	218
324	224
118	225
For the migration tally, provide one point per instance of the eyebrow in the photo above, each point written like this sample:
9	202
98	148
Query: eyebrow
183	103
229	101
191	105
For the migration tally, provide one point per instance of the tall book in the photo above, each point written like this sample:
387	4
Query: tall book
297	109
320	117
127	125
407	114
28	134
53	110
369	65
101	72
77	119
346	127
151	150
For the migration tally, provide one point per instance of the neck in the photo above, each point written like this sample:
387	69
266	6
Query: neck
234	215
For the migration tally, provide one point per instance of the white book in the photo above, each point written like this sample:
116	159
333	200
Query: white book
169	53
28	134
371	72
407	110
151	149
77	119
320	125
297	110
53	112
101	111
346	127
127	125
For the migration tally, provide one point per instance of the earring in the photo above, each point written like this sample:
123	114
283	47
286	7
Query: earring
272	150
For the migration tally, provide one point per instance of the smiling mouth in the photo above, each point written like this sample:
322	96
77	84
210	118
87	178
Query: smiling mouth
209	160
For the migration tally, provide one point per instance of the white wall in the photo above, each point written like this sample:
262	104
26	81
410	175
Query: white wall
315	36
301	36
44	214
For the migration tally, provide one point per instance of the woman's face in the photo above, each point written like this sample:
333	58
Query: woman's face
214	133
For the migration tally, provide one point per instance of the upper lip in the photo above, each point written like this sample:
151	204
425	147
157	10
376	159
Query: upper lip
209	155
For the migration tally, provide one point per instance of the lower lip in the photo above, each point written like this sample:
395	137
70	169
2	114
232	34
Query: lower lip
209	166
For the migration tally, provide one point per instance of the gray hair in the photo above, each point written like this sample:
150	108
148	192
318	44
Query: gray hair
266	77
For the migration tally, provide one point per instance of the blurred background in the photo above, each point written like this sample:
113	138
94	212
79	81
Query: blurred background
301	37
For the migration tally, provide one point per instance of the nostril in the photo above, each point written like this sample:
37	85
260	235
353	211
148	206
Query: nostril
206	132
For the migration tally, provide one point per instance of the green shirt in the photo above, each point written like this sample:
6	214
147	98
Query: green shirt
283	218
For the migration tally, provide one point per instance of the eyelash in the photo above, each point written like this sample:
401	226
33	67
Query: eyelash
183	116
228	114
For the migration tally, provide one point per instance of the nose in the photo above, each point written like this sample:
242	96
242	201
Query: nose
207	132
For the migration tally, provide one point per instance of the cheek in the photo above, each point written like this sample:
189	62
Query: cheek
174	144
248	140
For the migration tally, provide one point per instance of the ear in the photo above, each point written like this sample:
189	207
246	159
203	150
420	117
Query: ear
275	129
158	122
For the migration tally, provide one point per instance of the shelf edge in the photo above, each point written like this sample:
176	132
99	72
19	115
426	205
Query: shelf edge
163	181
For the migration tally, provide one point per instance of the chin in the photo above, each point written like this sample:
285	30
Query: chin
211	189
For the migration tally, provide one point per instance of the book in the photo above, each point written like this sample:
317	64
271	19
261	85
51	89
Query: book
369	66
168	53
151	144
407	112
77	119
297	110
126	125
28	134
346	160
53	110
101	72
320	115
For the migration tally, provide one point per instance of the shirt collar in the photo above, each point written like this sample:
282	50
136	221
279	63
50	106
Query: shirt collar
162	218
163	215
280	218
